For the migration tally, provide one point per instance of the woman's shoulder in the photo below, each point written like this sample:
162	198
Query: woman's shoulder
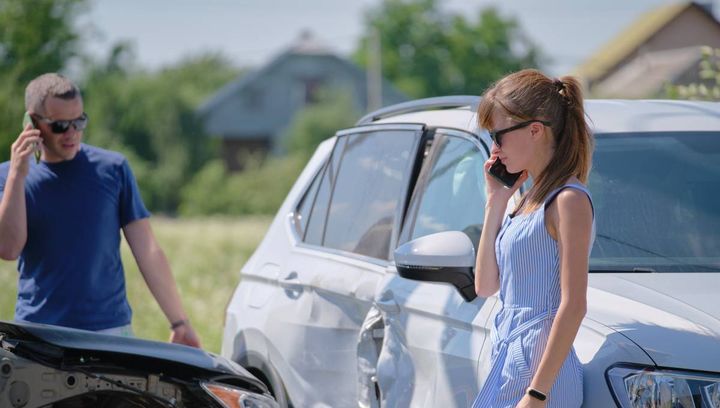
574	198
572	193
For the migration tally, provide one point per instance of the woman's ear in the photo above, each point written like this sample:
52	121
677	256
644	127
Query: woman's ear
537	130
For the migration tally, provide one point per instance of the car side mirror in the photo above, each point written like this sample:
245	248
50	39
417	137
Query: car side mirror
446	257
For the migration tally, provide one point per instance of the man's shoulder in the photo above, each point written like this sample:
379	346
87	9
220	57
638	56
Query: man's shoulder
98	154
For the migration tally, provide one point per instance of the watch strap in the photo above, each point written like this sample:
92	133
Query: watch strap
182	322
536	394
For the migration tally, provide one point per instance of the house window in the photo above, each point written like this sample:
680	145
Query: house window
312	91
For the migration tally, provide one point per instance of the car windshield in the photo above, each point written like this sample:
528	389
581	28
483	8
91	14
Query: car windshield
657	202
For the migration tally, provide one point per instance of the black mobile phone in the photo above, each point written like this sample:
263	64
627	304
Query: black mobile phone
27	120
499	171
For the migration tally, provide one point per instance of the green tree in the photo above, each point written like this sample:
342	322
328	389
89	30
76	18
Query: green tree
319	121
708	89
429	52
36	37
150	116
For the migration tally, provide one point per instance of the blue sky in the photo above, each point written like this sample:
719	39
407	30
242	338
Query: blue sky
250	32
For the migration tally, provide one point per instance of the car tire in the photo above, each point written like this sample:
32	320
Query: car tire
275	385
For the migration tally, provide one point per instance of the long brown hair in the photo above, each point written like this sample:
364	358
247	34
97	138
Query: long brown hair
529	94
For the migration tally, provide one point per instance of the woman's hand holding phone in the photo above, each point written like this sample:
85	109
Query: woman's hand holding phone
501	174
497	189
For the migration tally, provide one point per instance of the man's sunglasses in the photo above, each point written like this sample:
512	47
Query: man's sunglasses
496	135
62	126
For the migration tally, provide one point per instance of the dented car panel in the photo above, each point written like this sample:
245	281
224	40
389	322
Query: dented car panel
434	347
318	317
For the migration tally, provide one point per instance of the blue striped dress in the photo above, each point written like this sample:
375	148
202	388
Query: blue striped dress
529	267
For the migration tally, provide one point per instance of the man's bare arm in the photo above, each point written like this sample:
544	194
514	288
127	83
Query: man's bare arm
156	271
13	213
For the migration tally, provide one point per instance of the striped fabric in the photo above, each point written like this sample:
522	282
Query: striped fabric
529	266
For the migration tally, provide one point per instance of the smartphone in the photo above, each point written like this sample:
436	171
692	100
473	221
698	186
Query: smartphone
27	119
499	171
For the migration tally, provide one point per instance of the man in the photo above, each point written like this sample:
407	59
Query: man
62	217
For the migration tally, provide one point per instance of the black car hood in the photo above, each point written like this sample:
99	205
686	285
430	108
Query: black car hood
133	353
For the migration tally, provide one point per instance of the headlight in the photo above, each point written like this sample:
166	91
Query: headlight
231	397
649	387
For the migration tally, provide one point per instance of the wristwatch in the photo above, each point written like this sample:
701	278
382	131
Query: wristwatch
536	394
182	322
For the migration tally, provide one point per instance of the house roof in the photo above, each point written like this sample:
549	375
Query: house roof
646	75
627	41
306	44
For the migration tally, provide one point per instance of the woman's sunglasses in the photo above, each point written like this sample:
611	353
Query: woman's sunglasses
62	126
496	135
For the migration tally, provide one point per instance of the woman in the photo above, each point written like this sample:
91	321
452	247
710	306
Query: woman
537	255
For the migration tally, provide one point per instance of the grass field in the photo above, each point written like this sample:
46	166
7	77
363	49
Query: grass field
206	255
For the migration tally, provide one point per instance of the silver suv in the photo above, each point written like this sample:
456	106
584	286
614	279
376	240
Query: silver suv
361	292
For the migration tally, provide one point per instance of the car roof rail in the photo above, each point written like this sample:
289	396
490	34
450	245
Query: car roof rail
439	102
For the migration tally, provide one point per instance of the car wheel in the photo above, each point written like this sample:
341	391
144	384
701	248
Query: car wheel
274	384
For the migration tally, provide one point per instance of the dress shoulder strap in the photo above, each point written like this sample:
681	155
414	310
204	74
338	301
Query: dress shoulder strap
577	186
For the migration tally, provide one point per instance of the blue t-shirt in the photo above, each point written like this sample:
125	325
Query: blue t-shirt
70	269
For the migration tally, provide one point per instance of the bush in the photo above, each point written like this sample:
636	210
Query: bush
259	189
319	121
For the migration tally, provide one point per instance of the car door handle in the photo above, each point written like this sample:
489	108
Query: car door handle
291	282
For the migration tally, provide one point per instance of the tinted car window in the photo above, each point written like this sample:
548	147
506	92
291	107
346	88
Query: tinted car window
454	195
657	202
371	184
316	221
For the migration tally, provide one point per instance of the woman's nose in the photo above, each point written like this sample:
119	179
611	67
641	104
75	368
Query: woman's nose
494	149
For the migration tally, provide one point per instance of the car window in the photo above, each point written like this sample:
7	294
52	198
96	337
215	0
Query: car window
657	202
370	187
318	214
453	198
302	212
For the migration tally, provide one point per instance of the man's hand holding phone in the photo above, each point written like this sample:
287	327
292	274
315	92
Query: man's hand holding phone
28	120
26	145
